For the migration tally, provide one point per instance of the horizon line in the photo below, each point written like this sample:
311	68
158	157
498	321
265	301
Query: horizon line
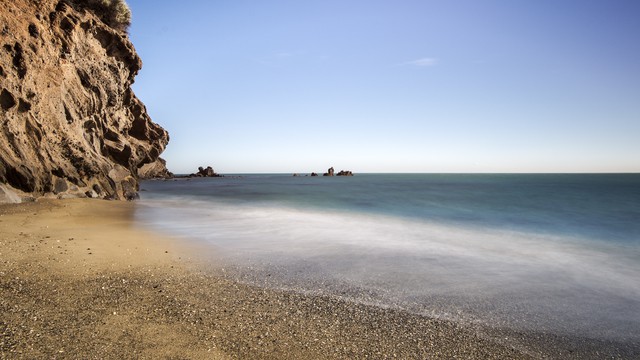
443	172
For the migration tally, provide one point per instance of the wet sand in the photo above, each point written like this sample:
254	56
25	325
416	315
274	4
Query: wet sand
79	280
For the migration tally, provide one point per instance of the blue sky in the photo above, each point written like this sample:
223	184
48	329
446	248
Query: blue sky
393	86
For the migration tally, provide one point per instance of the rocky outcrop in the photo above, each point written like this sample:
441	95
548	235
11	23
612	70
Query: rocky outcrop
155	170
344	173
208	172
331	172
71	125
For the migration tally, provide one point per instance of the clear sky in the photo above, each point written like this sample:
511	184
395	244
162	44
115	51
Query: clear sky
393	86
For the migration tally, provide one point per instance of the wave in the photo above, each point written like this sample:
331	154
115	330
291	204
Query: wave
481	273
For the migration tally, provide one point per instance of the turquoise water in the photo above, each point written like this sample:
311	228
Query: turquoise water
545	252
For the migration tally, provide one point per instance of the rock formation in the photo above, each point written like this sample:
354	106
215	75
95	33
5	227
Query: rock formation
344	173
329	172
208	172
155	170
71	125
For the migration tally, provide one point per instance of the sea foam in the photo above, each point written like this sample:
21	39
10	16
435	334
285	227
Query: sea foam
528	280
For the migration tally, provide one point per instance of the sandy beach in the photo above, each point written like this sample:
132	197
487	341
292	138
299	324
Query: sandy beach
79	280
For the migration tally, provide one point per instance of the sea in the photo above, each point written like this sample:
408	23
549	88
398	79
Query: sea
546	253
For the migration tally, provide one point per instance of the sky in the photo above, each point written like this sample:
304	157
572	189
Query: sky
284	86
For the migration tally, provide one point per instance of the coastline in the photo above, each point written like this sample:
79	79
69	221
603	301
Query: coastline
79	280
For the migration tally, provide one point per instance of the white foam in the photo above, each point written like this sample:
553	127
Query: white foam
422	258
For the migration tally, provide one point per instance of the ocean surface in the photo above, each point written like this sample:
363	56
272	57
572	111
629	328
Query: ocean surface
551	253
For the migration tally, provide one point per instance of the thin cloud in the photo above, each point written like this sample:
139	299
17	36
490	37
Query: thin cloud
283	55
276	58
423	62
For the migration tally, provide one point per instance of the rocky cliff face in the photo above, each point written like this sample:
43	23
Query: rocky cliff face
70	123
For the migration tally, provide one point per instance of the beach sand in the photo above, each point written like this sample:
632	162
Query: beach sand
79	280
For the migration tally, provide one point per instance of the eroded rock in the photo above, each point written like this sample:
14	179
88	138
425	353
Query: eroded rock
68	113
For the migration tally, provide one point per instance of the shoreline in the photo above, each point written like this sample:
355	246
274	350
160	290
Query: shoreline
78	279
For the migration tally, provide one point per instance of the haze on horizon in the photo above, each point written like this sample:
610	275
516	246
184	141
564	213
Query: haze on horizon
393	86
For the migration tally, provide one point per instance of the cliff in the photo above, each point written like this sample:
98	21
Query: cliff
70	124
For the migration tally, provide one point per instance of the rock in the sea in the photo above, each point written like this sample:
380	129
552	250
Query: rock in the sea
71	124
329	172
344	173
208	172
314	174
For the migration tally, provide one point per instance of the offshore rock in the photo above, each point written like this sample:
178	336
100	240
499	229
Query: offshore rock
329	172
70	123
208	172
344	173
